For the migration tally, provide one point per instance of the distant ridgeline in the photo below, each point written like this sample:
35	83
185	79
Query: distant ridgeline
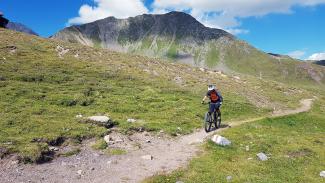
320	62
5	23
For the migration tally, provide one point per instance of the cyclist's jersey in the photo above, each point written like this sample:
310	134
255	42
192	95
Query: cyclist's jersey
214	96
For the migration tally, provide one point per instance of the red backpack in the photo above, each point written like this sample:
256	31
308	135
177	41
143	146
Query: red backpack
214	96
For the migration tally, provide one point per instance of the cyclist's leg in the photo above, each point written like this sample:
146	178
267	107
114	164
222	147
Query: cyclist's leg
211	108
219	112
215	112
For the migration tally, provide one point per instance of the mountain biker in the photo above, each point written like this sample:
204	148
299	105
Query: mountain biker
215	100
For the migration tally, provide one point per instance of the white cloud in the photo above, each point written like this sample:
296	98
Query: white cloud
237	31
317	56
298	54
225	14
105	8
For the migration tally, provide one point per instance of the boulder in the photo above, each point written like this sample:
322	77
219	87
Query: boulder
262	157
220	140
100	120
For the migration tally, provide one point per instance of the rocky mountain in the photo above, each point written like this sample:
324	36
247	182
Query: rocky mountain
20	28
177	36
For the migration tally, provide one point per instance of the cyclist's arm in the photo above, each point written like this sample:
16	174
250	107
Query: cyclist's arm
205	97
220	96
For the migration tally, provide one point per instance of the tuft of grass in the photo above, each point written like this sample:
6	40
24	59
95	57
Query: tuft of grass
116	151
72	152
100	144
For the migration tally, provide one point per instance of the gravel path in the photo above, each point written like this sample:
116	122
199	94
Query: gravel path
95	166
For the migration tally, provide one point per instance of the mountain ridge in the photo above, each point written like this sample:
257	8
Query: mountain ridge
20	28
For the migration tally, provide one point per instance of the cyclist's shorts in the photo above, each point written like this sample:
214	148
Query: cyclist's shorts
213	107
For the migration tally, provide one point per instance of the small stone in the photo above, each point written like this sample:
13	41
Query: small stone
247	148
52	148
202	69
79	172
107	139
79	116
179	128
92	168
109	162
229	178
249	158
148	141
161	131
179	182
147	157
261	156
131	120
322	174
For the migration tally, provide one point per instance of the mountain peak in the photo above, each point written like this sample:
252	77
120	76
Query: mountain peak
178	25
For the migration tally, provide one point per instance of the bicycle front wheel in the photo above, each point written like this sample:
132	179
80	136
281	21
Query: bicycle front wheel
207	122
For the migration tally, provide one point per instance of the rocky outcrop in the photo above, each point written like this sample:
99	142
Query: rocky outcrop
3	21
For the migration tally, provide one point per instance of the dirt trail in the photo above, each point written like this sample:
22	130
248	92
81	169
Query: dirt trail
93	166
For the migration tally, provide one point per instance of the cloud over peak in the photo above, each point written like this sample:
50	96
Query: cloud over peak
106	8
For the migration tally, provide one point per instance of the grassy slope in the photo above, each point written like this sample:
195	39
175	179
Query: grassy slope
295	144
239	57
41	93
242	58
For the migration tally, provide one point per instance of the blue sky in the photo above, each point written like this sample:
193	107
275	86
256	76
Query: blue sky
294	27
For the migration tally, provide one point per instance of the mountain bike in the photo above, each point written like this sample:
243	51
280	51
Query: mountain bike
210	119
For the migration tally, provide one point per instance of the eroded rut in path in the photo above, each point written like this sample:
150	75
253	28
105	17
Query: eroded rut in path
92	166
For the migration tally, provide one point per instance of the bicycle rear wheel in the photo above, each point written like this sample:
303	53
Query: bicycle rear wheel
207	122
